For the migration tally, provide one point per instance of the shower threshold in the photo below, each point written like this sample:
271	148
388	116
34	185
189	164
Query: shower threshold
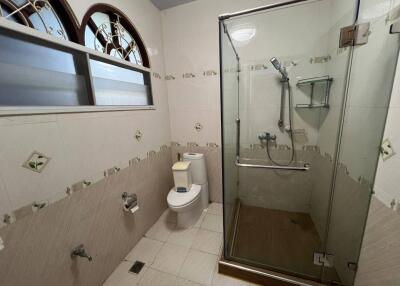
275	246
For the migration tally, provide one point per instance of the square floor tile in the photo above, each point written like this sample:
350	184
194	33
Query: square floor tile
183	282
183	237
168	216
154	277
208	241
200	220
122	277
170	258
212	222
145	251
223	280
215	208
161	230
199	267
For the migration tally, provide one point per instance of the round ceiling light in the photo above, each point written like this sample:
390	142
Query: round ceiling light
243	34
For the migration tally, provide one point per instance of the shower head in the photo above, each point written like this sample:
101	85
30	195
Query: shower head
277	65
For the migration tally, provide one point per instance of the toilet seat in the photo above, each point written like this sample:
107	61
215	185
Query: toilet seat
179	200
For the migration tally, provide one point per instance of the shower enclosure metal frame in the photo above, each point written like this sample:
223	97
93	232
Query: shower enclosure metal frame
225	262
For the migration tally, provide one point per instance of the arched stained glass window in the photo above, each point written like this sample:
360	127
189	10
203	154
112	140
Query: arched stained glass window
107	30
50	16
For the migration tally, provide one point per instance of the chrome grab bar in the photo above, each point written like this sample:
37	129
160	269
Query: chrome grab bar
305	168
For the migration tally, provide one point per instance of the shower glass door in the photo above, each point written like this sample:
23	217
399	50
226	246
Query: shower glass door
289	209
280	216
370	86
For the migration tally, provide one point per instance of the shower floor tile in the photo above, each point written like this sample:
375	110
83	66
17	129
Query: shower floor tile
177	257
278	239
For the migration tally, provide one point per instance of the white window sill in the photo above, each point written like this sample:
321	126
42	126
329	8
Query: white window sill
32	110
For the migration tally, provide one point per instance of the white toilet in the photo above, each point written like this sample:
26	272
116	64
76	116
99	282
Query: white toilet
189	174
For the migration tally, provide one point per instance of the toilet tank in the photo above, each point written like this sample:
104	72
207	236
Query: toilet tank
198	167
182	175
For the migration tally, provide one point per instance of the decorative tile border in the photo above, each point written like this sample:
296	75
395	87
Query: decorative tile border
320	60
198	126
70	190
188	75
231	70
111	171
151	154
311	148
328	156
210	73
36	162
157	75
169	77
212	145
138	135
134	161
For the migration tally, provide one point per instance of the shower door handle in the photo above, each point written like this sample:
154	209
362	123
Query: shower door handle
305	168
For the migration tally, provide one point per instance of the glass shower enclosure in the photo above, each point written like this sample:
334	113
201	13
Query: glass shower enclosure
305	89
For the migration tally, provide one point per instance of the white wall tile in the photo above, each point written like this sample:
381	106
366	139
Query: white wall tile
82	146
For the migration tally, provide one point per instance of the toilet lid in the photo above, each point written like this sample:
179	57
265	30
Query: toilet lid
176	199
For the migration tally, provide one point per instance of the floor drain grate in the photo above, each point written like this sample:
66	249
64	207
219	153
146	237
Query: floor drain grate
136	267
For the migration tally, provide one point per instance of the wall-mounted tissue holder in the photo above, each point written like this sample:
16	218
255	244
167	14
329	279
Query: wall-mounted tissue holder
130	202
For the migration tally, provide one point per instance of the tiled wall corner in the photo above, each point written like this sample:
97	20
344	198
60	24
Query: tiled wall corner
214	167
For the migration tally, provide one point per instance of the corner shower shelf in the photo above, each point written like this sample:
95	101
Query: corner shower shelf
324	80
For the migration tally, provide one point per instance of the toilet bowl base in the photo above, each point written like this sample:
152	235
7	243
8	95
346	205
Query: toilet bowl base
189	218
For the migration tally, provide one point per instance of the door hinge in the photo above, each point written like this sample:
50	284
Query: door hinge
352	266
323	259
395	28
354	35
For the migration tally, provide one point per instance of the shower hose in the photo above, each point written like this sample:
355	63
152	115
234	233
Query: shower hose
290	127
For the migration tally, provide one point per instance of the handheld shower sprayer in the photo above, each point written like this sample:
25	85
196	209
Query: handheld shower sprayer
279	67
285	85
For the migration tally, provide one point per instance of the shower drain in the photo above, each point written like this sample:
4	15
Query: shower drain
137	267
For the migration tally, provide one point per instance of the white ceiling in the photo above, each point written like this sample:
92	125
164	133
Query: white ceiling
165	4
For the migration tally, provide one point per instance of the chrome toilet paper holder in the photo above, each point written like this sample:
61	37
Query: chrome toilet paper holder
130	202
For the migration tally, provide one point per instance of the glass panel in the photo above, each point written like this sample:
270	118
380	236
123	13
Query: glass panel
13	18
230	107
34	75
47	21
102	21
282	219
114	85
19	2
91	41
38	14
370	87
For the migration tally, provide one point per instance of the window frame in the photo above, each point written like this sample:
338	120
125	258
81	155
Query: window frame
49	40
124	20
62	10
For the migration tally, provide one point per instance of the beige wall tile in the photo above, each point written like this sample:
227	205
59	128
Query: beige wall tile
380	254
39	245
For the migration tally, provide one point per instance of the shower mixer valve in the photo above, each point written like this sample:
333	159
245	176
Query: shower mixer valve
266	136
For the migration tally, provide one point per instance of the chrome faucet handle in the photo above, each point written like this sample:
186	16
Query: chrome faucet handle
263	136
81	252
266	136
